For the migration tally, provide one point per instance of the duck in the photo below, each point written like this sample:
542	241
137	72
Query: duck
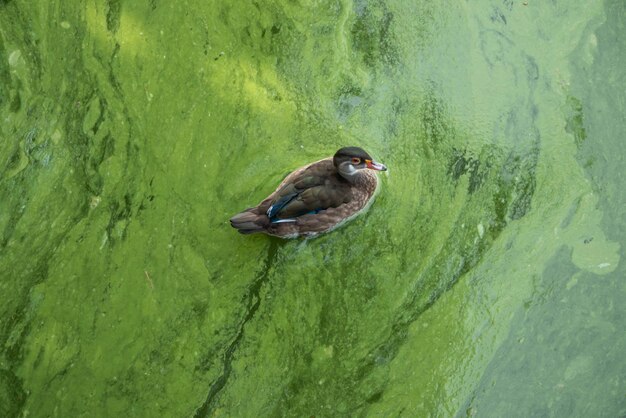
315	198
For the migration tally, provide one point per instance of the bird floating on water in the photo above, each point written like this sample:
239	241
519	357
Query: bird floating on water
315	198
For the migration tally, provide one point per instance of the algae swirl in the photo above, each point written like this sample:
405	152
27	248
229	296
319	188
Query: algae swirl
485	280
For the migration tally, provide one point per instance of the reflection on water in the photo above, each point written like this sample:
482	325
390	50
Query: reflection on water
484	281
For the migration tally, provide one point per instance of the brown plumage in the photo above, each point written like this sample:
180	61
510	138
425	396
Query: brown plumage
315	198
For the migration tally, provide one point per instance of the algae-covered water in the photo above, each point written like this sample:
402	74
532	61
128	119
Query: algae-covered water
487	279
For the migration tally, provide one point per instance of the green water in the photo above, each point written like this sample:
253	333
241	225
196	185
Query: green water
486	279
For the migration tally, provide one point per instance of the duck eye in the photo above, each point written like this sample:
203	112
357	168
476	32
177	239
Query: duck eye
356	161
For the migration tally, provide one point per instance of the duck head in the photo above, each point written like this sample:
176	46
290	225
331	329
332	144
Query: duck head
350	160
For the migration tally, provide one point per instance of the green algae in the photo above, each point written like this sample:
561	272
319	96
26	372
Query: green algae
134	131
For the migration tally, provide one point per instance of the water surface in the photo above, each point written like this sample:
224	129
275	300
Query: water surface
485	280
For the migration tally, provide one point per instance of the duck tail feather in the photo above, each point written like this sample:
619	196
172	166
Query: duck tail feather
248	222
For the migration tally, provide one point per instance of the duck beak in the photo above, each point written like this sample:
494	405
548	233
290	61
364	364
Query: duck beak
373	165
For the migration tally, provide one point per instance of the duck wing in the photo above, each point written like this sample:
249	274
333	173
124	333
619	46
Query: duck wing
308	194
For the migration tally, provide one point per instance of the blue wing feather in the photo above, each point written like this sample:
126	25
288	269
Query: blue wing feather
280	203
